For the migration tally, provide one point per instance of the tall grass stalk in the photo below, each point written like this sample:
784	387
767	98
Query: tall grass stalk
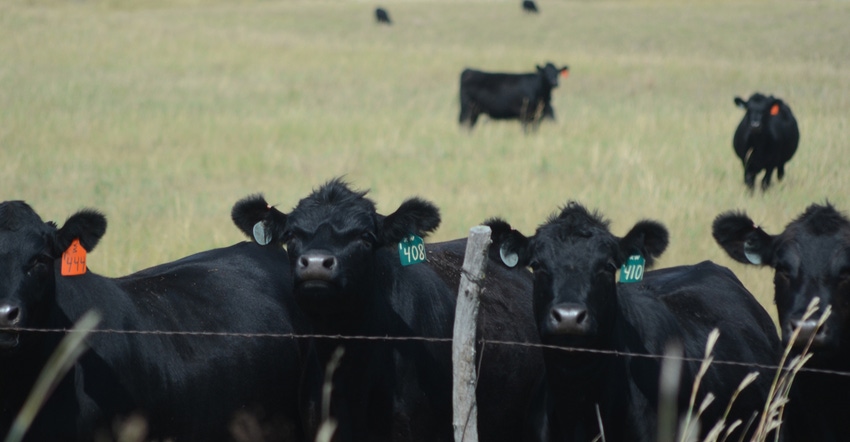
772	415
691	421
329	425
66	354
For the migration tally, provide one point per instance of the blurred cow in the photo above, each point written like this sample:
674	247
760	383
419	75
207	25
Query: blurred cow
382	16
766	137
529	6
526	97
811	258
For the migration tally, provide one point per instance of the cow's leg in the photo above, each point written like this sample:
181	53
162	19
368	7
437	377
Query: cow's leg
780	172
750	179
765	182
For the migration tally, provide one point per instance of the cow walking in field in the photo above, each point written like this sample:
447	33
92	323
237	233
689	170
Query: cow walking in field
382	16
526	97
766	138
360	273
578	303
185	387
529	6
811	258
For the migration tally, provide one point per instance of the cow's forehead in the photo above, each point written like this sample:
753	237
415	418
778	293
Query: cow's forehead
351	215
819	236
580	241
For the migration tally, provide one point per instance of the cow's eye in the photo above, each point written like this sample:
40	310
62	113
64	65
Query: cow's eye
783	271
536	267
38	265
368	238
287	236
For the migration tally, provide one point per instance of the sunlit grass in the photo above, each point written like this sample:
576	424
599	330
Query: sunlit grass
163	114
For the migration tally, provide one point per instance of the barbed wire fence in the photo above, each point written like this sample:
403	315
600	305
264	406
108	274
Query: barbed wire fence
480	342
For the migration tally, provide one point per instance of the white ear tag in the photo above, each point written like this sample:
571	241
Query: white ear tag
752	257
509	258
261	235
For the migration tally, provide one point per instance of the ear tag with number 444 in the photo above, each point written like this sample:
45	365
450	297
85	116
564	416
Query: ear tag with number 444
411	250
74	259
632	270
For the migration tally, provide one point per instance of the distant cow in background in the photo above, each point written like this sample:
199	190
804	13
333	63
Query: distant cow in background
766	138
382	16
529	6
526	97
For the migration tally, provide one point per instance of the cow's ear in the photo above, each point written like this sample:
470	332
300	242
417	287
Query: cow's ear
507	244
649	238
87	225
739	236
740	102
259	220
414	216
539	69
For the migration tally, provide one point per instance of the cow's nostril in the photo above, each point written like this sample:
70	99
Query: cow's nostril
329	262
9	314
556	315
582	315
303	262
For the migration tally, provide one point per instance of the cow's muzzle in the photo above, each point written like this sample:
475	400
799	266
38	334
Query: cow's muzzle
10	317
316	266
808	332
568	319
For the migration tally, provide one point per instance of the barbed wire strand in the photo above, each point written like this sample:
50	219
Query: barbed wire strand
615	353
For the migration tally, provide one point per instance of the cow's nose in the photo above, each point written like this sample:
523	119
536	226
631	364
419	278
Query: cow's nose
10	315
569	319
316	266
808	331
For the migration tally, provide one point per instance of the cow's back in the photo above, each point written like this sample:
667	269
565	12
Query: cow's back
699	298
184	380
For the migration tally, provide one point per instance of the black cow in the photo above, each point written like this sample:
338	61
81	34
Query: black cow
187	387
578	303
350	280
527	97
766	138
529	6
382	16
812	259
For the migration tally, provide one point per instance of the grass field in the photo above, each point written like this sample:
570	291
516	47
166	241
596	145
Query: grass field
162	114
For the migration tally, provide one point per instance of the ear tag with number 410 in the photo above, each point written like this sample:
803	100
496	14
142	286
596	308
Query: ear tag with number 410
632	270
411	250
74	259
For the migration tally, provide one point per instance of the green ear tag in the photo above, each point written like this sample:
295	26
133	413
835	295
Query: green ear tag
632	270
411	250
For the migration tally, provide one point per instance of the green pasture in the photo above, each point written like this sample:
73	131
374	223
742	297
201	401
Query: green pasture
162	114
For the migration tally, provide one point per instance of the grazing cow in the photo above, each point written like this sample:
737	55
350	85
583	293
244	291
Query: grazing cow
529	6
186	387
382	16
351	280
766	138
811	259
527	97
578	303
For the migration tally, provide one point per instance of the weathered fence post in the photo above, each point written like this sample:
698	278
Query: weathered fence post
465	416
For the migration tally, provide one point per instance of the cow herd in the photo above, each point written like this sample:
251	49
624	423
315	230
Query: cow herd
252	331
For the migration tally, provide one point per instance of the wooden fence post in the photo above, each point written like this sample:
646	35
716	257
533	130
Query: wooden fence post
465	415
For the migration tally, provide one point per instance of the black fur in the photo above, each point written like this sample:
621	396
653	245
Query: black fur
577	303
811	258
349	280
187	387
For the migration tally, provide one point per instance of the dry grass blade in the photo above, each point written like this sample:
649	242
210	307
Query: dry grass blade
66	354
772	415
328	426
688	431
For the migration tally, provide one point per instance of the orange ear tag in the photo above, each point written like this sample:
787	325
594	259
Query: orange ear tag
74	259
774	110
565	73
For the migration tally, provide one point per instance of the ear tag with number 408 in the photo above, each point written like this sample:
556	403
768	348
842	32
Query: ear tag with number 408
632	270
411	250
